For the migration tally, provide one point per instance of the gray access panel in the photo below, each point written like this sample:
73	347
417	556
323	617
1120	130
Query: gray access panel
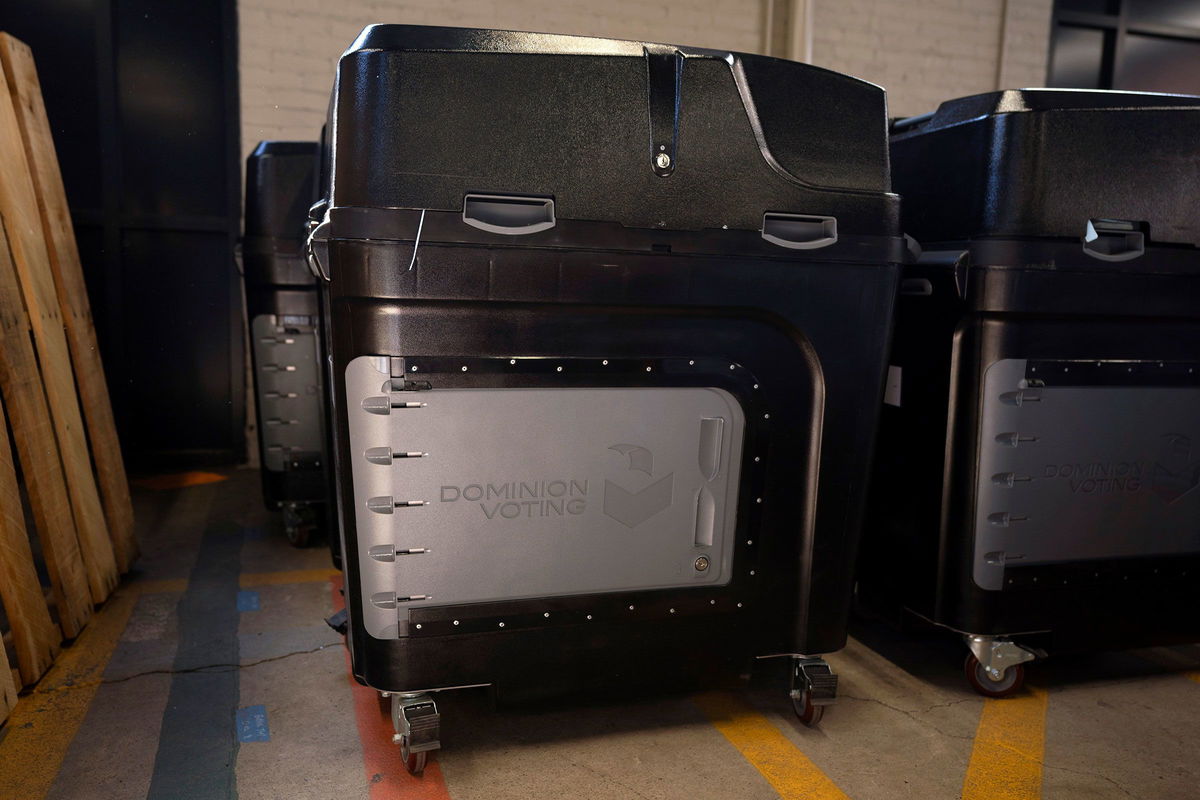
1076	473
505	494
287	390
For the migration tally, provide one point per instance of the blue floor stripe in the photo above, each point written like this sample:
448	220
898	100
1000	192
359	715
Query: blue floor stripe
252	724
197	748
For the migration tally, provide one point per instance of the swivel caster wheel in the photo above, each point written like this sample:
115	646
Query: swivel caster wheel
808	713
299	524
814	686
413	762
417	724
987	684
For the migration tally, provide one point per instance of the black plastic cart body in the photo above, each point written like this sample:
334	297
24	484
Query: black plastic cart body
1037	481
285	340
608	326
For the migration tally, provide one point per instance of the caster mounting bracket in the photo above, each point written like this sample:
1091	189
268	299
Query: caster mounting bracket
997	655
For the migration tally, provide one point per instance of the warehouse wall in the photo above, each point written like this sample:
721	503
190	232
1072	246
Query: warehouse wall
926	51
289	47
922	51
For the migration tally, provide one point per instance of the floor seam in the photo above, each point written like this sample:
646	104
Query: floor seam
913	713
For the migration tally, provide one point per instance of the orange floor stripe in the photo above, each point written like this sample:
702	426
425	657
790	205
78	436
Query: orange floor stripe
178	480
385	773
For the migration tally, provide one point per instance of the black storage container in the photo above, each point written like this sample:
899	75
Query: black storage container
283	311
1039	456
608	326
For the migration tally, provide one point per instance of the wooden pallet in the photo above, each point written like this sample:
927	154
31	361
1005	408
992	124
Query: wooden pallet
25	403
35	636
26	92
8	687
28	248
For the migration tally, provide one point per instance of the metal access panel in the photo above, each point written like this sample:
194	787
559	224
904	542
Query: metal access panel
288	391
492	494
1086	460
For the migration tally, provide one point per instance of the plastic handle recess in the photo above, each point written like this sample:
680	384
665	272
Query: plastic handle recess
508	214
1113	240
799	231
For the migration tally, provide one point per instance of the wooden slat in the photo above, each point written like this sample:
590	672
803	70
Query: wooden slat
27	244
26	92
25	401
35	637
8	688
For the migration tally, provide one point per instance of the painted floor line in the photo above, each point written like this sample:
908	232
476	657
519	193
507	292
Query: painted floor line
249	580
384	771
178	480
245	580
789	771
1010	743
44	723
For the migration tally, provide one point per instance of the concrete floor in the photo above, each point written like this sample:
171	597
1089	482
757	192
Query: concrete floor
145	704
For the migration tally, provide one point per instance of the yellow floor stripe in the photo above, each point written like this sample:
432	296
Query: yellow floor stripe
1193	676
1006	762
785	767
164	586
43	723
248	579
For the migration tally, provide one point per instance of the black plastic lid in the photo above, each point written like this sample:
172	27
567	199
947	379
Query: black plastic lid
1018	101
281	185
1114	171
645	135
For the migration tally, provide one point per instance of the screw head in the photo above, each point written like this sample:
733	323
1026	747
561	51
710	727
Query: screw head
702	563
662	161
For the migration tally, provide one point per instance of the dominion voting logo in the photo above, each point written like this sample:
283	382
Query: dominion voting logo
632	507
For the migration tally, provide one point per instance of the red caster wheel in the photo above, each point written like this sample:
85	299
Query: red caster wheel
809	714
987	685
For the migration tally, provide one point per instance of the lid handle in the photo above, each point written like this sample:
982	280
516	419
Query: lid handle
799	231
510	215
1113	240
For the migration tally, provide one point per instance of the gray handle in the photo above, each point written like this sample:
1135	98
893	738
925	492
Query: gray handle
1113	240
508	214
799	231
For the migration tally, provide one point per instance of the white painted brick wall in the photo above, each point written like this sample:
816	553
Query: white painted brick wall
927	51
922	51
289	48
